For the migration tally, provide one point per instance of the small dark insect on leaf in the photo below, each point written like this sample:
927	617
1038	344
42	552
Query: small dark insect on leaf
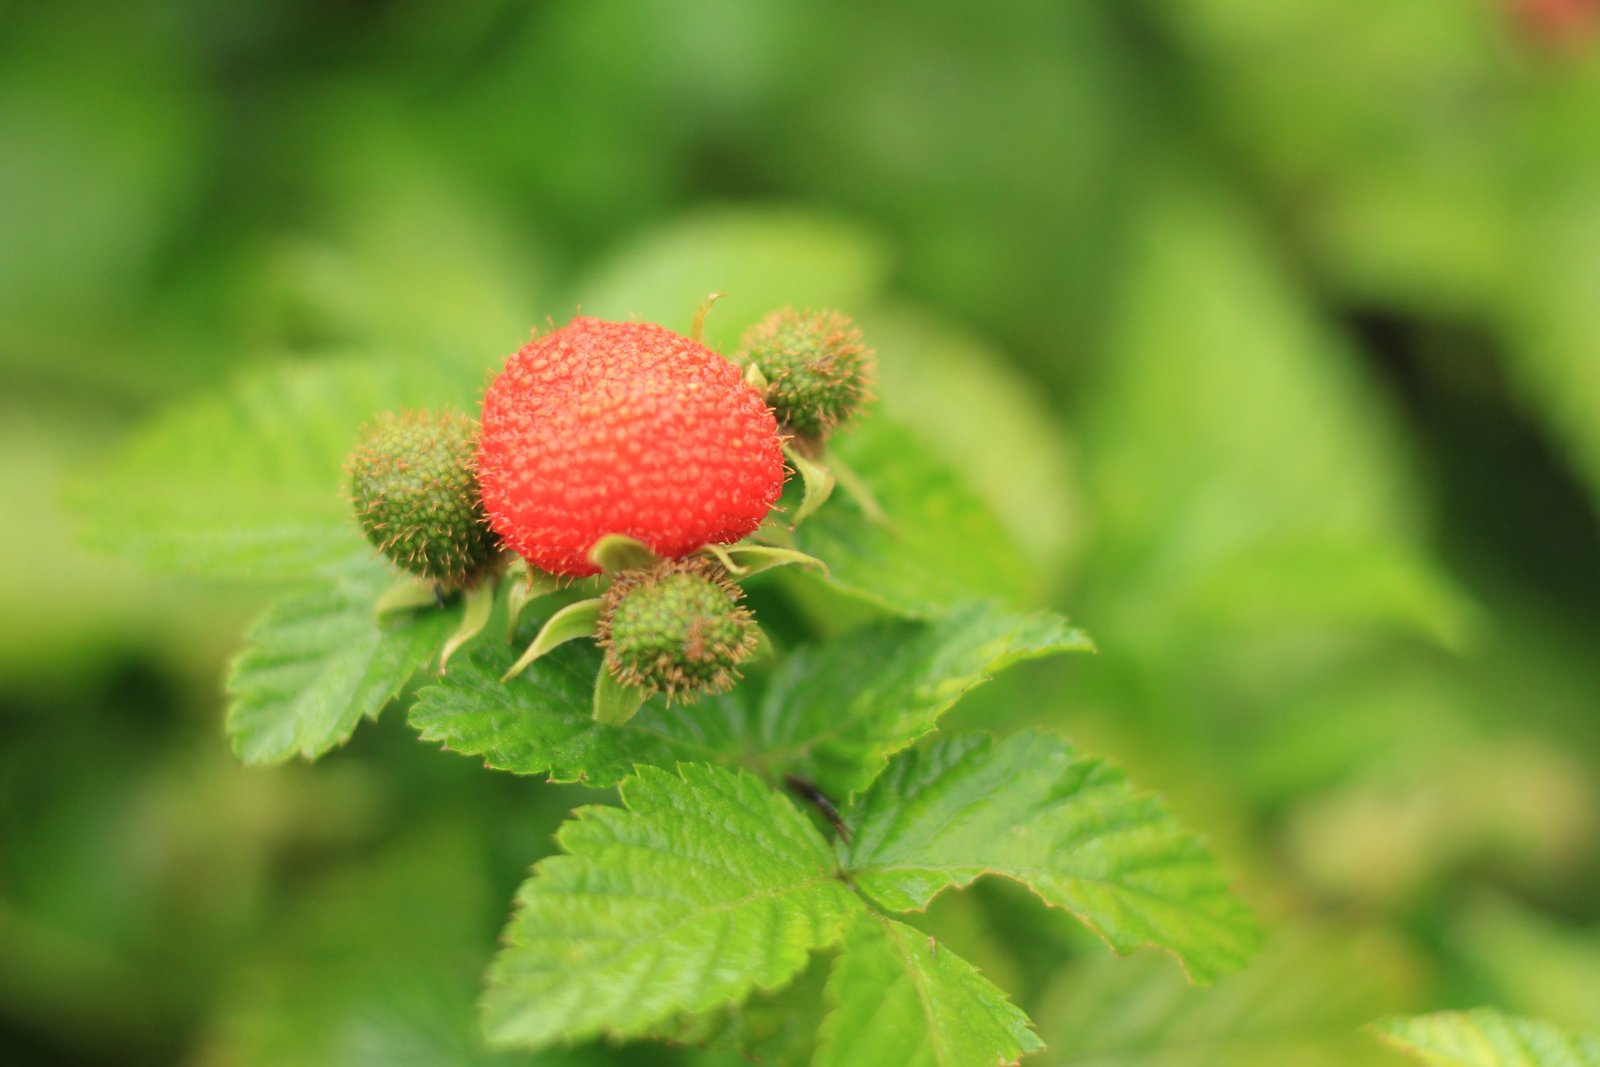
809	791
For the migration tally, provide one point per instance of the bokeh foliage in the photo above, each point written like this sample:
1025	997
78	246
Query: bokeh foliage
1270	333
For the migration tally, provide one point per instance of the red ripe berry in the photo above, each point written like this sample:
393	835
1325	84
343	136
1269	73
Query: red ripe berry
623	428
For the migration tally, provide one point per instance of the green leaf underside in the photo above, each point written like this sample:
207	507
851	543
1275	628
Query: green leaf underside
1070	828
900	1000
319	660
942	545
832	713
1485	1037
706	886
249	484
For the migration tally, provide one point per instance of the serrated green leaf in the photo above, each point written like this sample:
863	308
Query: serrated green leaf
319	660
832	713
835	712
941	545
1485	1037
705	887
1070	828
542	721
901	1000
774	1029
250	483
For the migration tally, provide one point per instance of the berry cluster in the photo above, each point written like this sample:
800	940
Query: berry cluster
624	450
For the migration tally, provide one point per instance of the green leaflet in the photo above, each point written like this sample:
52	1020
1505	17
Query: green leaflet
319	660
899	1000
942	545
1485	1037
832	712
1070	828
776	1028
835	712
542	721
705	887
249	483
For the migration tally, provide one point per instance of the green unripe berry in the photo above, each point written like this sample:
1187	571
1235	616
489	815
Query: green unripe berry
416	496
818	371
676	628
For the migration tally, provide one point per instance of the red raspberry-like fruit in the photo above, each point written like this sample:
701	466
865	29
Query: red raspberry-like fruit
623	428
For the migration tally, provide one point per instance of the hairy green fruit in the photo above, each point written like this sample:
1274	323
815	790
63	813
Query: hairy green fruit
416	496
677	628
816	367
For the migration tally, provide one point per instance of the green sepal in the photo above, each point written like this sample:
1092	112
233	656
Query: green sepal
571	622
755	379
697	328
817	480
474	617
407	595
743	561
765	649
615	703
527	585
615	553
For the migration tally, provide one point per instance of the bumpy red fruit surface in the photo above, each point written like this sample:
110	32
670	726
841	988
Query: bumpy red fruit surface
623	428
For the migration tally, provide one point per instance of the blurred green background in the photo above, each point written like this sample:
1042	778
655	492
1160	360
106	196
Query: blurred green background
1271	331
